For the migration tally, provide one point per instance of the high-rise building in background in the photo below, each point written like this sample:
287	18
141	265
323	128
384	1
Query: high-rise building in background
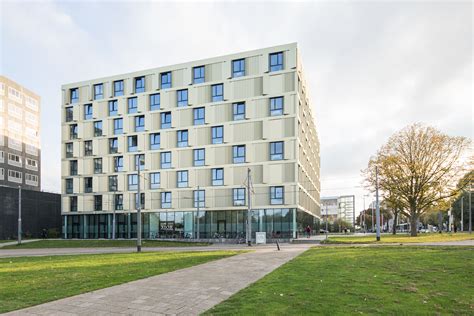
20	150
339	207
194	129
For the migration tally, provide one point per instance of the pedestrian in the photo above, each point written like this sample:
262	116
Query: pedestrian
308	231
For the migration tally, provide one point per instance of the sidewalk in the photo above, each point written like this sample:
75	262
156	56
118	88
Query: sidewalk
189	291
14	242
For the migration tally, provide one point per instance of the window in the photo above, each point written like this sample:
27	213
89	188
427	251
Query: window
139	123
154	180
140	162
98	91
139	84
182	96
199	114
217	134
155	141
113	145
69	114
88	148
113	108
118	126
165	199
276	151
118	88
155	102
88	185
199	157
217	176
239	196
73	203
88	112
97	128
69	150
97	165
69	186
118	203
97	202
239	153
165	160
142	200
132	182
166	80
113	183
73	131
132	105
276	106
276	61
198	74
217	92
118	163
182	179
74	95
132	143
166	120
239	111
73	167
276	195
238	68
183	138
199	198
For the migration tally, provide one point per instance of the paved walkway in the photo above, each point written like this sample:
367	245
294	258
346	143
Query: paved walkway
12	243
189	291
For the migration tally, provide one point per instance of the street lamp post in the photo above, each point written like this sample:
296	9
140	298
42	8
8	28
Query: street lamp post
377	211
139	208
327	219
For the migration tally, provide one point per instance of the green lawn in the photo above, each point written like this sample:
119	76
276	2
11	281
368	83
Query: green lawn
27	281
85	243
400	238
389	280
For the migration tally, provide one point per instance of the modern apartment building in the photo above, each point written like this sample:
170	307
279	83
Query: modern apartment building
194	130
20	153
339	207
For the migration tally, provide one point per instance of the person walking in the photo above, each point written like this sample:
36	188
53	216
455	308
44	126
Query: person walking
308	231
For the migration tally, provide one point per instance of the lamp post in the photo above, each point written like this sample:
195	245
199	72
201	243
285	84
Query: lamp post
377	211
139	207
19	214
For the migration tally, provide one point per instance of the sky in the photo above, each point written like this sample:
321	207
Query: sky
371	67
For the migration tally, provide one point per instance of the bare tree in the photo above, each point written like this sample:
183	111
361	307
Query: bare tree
419	167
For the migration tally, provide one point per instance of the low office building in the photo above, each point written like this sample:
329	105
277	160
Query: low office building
194	130
20	156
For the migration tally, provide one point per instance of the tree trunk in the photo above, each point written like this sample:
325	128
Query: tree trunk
413	225
394	226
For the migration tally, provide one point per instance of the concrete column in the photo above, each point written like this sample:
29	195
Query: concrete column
294	223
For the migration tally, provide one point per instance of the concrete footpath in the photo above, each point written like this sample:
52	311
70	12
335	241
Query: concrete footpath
189	291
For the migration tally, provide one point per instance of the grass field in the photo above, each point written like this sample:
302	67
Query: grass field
85	243
400	238
27	281
380	281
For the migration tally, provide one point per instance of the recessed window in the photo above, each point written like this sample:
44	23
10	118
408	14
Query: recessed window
118	163
276	195
183	138
217	134
276	151
113	108
142	200
74	95
118	126
155	180
276	106
69	114
198	74
238	153
165	160
166	80
182	96
113	145
73	167
97	202
276	61
239	196
69	150
199	198
155	102
155	141
199	115
166	120
118	88
88	148
97	165
69	186
98	128
217	92
165	199
98	91
73	203
140	162
132	105
132	143
73	131
88	111
182	179
113	183
118	202
238	68
239	111
199	157
218	176
139	123
132	182
139	84
88	184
